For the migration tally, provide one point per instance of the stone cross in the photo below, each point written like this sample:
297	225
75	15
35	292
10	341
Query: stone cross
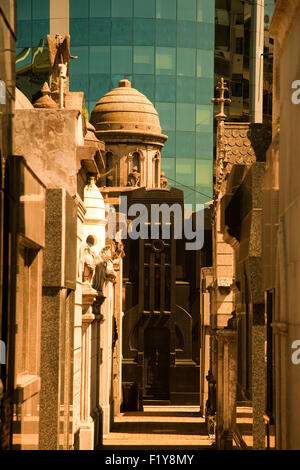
221	88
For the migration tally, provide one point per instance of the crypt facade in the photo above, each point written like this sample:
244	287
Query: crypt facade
160	328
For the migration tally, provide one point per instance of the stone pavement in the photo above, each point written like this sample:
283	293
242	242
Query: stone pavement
159	427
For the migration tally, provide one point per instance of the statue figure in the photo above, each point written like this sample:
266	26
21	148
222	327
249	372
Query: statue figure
119	250
59	53
134	177
164	183
104	268
107	257
89	264
99	277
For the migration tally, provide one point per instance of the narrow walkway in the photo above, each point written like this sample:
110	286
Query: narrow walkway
157	427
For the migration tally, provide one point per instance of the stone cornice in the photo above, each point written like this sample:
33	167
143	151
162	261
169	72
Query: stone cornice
131	137
225	334
279	328
283	19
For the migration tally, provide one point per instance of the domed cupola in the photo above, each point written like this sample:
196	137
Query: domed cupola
125	113
129	125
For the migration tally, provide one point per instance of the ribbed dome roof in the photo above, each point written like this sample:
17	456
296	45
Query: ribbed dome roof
126	110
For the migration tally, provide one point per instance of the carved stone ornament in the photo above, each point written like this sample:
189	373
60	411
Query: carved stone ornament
107	257
59	53
164	183
89	263
134	177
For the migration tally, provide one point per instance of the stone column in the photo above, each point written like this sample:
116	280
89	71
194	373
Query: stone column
117	352
107	310
93	242
226	387
59	282
129	167
86	430
280	332
256	61
142	168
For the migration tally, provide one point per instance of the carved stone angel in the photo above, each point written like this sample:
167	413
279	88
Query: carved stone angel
107	257
89	264
59	53
134	177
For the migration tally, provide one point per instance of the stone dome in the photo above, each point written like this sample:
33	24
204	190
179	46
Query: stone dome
124	110
22	102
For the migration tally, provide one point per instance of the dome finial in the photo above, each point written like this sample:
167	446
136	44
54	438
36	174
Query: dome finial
124	83
45	101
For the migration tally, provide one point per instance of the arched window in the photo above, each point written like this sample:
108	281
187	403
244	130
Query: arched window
109	166
136	161
156	172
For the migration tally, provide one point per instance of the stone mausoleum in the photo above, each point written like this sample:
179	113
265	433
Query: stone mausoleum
160	329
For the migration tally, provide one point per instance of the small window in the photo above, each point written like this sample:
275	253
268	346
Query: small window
136	161
109	169
156	172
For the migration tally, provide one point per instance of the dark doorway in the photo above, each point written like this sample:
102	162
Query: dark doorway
156	364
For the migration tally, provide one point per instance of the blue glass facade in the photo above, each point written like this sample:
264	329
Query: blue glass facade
31	53
166	49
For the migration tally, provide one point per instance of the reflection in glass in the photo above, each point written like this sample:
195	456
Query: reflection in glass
203	172
144	32
81	64
205	35
204	118
186	33
169	148
186	9
145	84
206	11
24	10
168	165
166	9
121	59
121	31
186	89
204	90
40	9
99	85
121	8
165	60
81	82
166	112
165	33
185	117
100	9
99	30
144	8
165	89
185	144
205	63
40	29
78	8
185	171
204	145
99	60
143	59
186	61
32	69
